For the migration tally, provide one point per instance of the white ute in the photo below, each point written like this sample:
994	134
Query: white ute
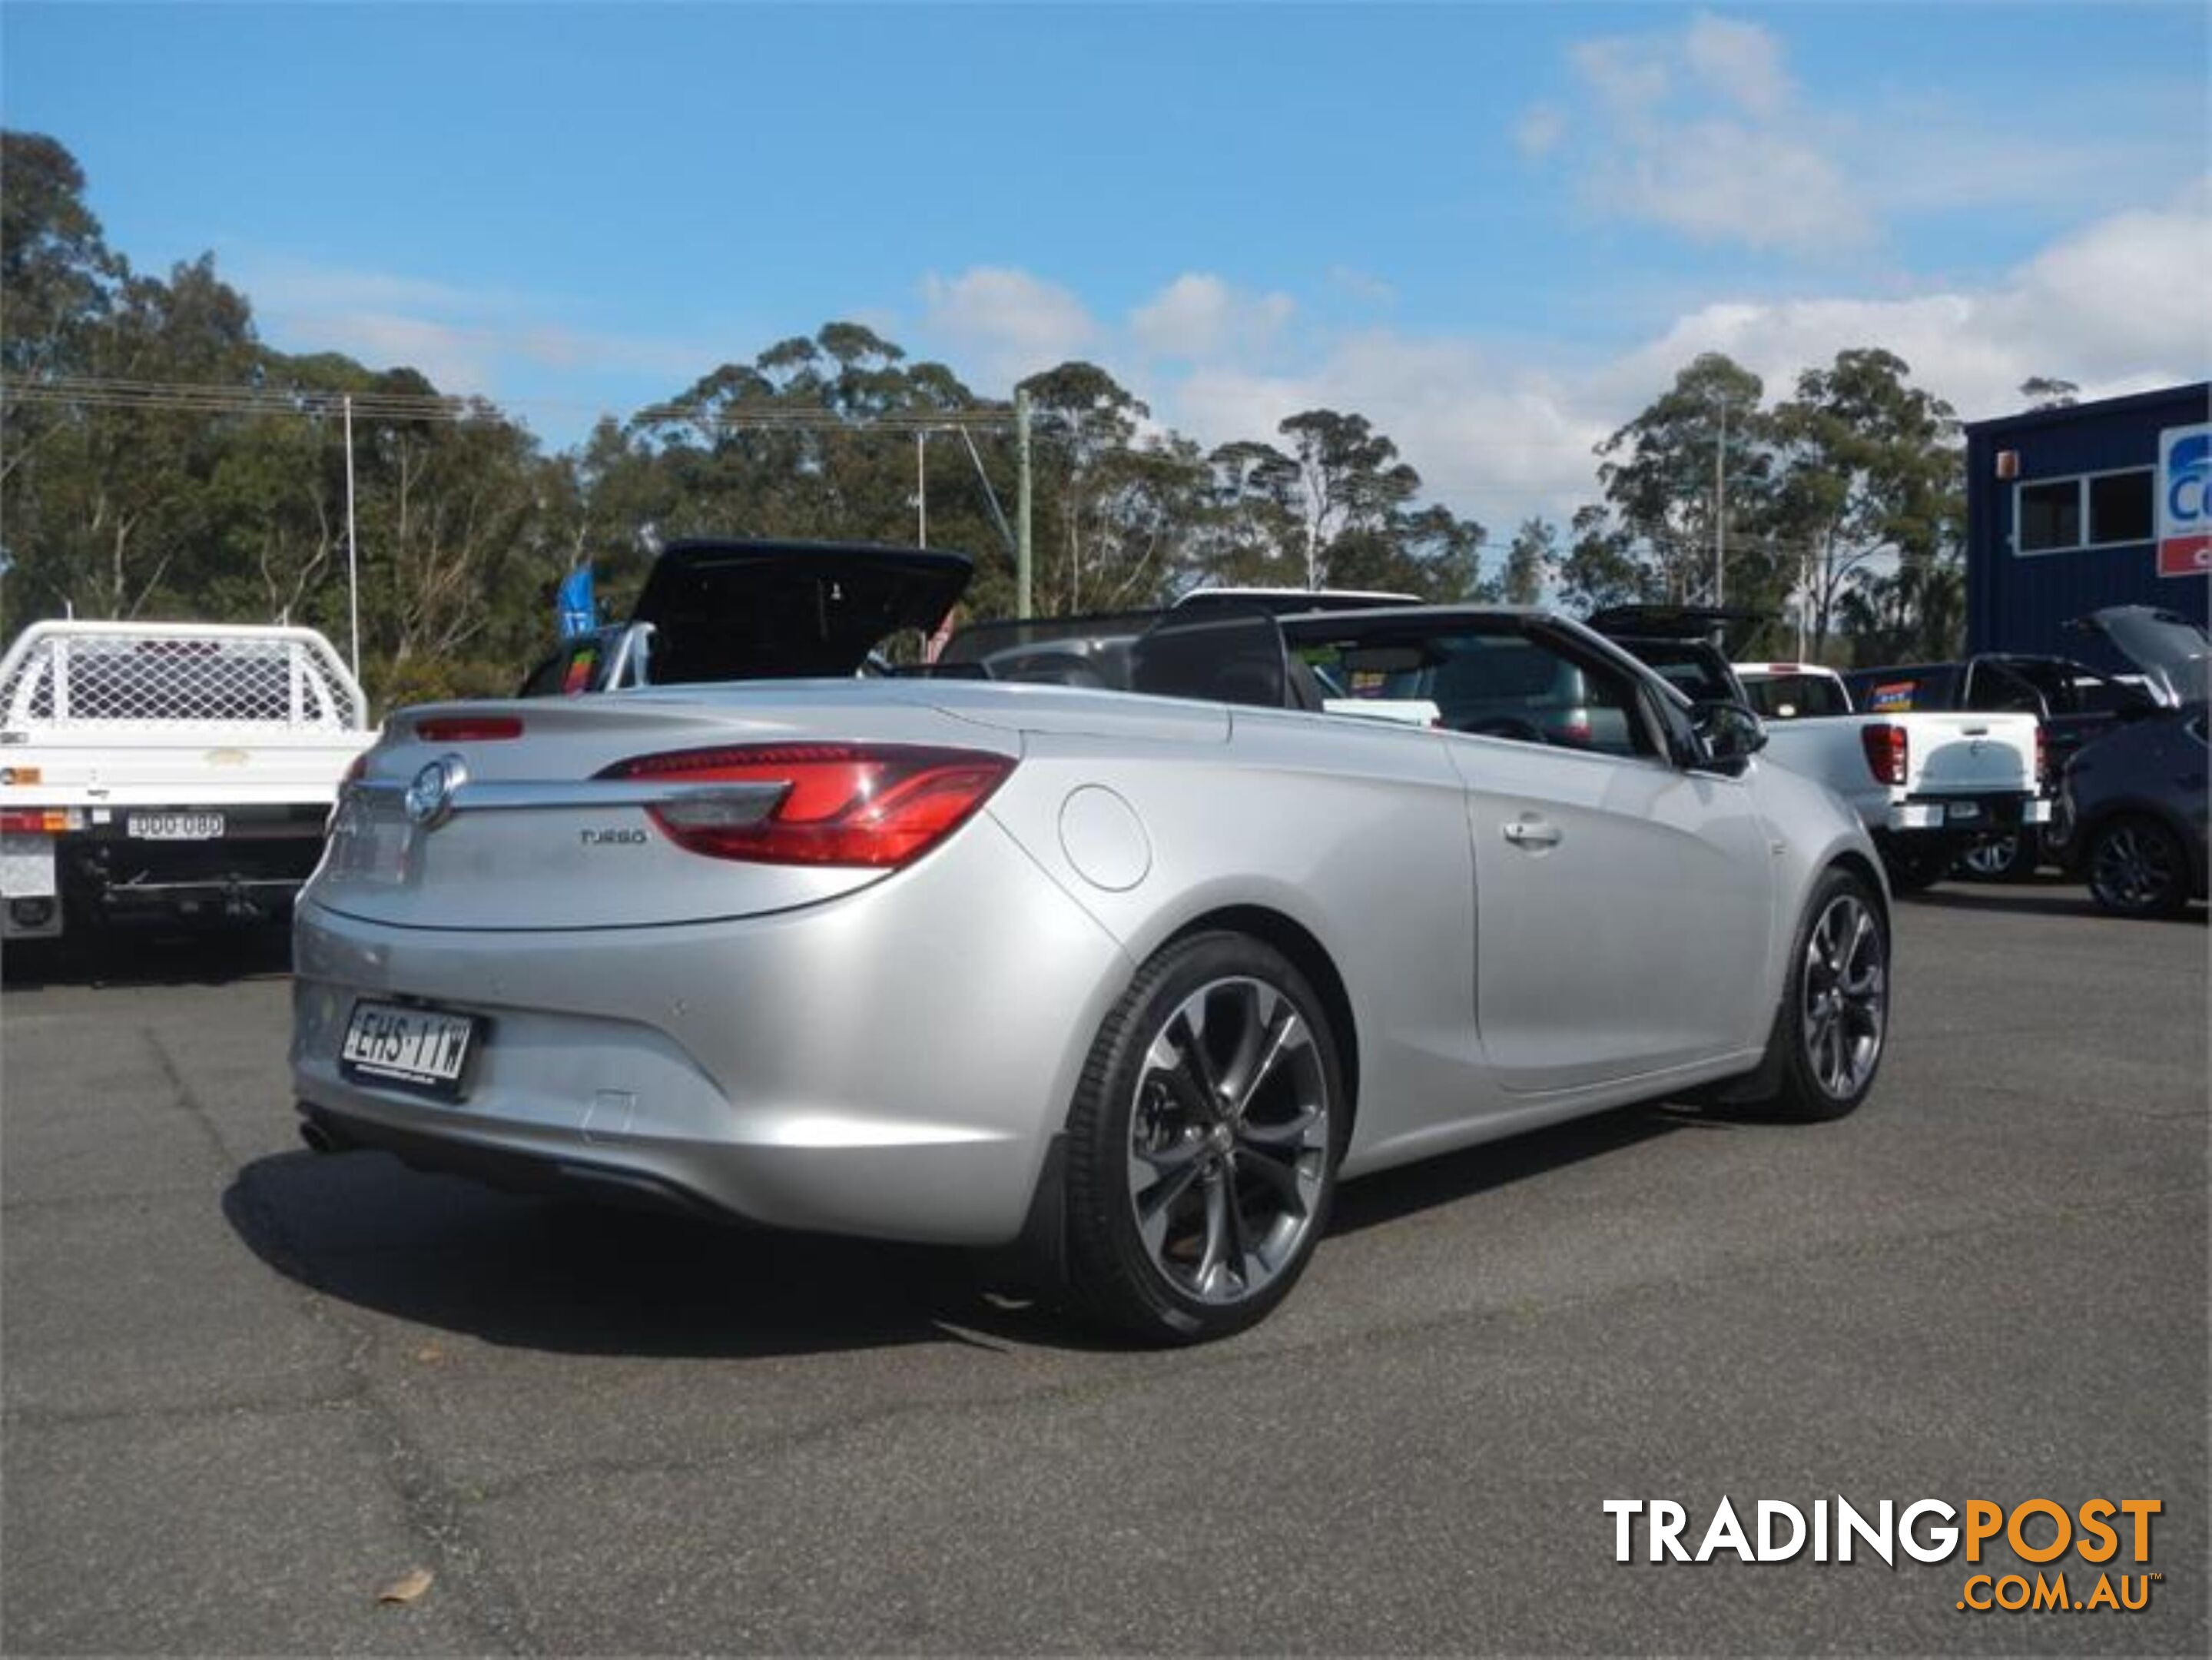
173	770
1955	772
1924	784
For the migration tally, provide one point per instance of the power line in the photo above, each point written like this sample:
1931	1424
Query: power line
314	402
197	398
201	398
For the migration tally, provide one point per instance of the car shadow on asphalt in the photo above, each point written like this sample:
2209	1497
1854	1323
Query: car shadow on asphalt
2042	897
216	958
565	1277
1385	1197
569	1278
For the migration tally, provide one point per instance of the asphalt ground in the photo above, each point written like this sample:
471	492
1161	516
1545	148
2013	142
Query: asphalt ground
245	1388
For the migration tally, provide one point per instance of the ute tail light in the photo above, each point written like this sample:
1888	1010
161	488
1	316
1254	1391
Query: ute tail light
468	728
1888	752
876	804
2042	758
41	821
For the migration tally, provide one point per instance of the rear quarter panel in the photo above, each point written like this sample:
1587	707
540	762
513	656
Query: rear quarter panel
1356	831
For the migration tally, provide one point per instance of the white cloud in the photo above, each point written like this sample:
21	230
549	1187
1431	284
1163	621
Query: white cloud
464	340
454	360
1539	130
284	283
1495	439
1629	76
1009	322
1703	131
1198	316
1741	61
1363	286
2118	306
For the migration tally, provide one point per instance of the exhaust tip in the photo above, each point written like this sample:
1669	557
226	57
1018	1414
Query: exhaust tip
318	1138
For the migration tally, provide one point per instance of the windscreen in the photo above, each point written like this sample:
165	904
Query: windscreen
1691	667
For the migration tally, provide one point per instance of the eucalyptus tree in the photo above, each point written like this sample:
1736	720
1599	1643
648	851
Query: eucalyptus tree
1870	479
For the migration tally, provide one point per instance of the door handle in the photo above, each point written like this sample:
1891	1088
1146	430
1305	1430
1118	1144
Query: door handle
1532	833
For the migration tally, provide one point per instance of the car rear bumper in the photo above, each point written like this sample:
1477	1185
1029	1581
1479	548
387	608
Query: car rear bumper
893	1063
2001	812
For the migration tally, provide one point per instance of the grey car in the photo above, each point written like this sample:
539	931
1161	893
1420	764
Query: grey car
1126	976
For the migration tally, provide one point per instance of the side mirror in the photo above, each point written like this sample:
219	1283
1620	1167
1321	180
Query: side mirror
1728	735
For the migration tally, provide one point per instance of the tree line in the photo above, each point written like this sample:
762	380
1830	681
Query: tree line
1840	505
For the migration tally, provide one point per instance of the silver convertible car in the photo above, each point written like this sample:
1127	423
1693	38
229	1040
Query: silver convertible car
1101	939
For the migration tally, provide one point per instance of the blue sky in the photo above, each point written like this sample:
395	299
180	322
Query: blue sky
1496	230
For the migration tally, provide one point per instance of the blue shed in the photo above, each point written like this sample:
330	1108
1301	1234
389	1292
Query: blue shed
2096	504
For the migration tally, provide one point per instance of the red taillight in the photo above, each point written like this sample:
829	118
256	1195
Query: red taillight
844	804
2042	758
468	728
1888	752
36	821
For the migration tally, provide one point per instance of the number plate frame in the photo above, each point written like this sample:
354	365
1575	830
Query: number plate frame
421	1030
175	826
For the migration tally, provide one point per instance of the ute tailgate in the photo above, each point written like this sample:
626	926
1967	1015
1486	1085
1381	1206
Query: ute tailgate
1965	754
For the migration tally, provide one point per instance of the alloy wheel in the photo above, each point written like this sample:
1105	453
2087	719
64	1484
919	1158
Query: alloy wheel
1229	1140
1991	856
2133	869
1846	996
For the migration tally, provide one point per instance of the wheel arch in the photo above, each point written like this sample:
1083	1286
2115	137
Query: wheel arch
1867	871
1311	958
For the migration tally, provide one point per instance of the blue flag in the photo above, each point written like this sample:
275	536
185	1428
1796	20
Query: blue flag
578	611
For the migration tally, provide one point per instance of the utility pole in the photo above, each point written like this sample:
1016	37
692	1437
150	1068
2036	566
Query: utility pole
1804	599
1022	557
1720	506
921	488
353	556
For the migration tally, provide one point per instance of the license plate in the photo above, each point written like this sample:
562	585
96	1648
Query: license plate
1965	810
175	826
416	1048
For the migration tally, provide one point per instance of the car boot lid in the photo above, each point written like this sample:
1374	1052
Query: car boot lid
2171	650
736	610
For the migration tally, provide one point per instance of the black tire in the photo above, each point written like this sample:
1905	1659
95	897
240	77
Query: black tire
1916	863
1247	1163
1803	1080
2003	856
2137	866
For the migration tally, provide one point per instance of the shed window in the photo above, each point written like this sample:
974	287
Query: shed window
2119	507
2089	510
2050	516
